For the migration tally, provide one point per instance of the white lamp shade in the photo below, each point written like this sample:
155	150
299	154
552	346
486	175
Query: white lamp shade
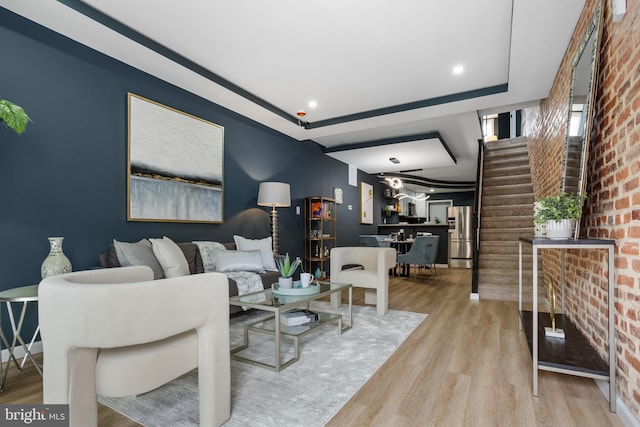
275	194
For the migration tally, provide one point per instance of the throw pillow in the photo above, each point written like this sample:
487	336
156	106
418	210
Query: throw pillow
206	254
190	250
263	245
170	257
232	261
139	253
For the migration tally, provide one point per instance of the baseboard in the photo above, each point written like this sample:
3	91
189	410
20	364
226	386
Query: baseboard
19	351
625	415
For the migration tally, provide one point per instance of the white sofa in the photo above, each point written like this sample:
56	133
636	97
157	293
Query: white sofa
373	276
118	332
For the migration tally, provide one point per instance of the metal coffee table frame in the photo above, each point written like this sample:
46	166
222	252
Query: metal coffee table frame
267	301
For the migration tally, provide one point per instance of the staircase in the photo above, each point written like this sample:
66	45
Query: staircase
506	214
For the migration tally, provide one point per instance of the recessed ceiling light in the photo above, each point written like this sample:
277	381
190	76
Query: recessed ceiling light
458	69
313	104
394	160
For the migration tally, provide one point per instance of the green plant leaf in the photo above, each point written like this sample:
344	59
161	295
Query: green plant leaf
562	206
13	116
286	267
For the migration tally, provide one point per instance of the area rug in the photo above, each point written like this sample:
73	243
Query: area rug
331	369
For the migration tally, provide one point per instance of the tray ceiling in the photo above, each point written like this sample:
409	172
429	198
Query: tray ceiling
377	70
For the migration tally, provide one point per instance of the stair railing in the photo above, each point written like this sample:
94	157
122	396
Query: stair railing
477	205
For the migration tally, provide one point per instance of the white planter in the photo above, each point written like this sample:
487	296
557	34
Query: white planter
539	230
285	282
559	230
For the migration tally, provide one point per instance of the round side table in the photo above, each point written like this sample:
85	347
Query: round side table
24	295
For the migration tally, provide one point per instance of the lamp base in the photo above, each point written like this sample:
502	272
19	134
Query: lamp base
274	230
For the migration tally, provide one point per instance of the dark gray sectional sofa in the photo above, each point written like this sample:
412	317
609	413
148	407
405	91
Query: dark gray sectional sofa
192	254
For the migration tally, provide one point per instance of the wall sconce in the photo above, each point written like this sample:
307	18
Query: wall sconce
276	195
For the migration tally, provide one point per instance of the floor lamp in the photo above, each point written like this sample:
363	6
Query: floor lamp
276	195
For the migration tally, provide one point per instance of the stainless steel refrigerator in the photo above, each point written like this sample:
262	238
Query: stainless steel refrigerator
460	236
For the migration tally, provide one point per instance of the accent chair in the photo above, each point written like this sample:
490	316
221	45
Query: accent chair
373	276
118	332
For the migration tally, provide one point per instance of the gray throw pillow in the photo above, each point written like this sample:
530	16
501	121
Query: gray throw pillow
140	253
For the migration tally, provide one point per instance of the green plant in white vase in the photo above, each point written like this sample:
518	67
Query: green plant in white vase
559	213
287	269
13	116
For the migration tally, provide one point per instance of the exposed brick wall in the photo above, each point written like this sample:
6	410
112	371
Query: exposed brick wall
613	188
545	143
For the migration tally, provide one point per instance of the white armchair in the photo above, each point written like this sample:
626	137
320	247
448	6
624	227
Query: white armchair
374	275
118	332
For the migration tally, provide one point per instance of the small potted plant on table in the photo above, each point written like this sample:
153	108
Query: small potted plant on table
560	214
287	269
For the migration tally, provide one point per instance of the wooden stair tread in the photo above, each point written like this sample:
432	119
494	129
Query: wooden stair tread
506	214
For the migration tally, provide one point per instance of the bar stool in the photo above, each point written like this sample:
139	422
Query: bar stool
24	294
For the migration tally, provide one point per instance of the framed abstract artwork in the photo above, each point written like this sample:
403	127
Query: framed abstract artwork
175	165
338	195
366	203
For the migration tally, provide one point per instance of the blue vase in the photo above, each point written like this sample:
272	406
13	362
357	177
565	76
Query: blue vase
318	273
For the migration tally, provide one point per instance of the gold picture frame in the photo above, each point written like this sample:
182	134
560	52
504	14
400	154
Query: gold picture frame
174	165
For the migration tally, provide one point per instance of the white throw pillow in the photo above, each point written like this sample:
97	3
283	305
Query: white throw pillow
170	257
263	245
206	254
234	261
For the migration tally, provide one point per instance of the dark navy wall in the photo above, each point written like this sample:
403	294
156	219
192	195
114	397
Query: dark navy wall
66	175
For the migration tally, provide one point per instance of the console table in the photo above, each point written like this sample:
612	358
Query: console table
572	355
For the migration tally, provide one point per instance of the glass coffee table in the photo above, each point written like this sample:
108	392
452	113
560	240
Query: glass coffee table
272	301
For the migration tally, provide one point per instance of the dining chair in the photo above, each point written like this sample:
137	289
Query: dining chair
369	241
423	252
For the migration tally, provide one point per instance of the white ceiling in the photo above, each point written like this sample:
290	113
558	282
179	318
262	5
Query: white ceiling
351	57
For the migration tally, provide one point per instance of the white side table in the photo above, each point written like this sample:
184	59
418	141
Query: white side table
24	295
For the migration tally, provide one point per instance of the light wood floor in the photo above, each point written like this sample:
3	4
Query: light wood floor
466	365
